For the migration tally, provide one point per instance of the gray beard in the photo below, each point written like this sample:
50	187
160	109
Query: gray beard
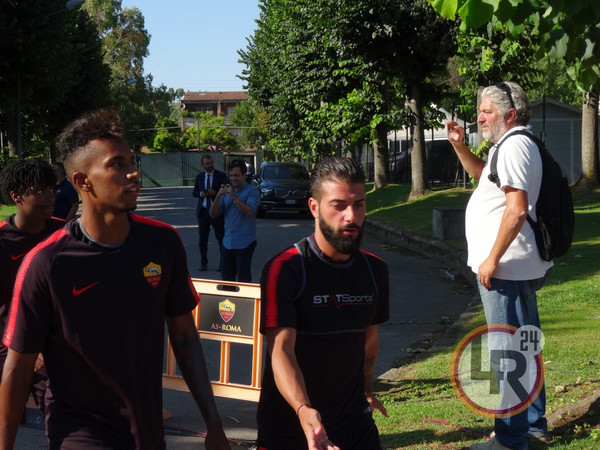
495	133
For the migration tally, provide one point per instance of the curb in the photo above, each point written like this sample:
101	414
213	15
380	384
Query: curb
429	247
445	341
440	251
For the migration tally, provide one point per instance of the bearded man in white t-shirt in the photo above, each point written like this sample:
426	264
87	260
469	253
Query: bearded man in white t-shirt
501	245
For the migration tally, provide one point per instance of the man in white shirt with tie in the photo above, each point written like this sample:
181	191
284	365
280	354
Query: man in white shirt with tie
206	185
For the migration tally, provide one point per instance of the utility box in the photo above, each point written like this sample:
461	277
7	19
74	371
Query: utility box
449	222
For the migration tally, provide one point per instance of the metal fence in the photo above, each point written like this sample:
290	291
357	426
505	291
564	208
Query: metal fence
180	169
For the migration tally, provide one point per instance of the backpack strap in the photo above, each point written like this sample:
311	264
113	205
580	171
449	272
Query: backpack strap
493	176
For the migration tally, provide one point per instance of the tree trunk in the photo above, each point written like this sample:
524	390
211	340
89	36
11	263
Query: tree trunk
54	156
418	158
589	140
11	132
381	169
12	149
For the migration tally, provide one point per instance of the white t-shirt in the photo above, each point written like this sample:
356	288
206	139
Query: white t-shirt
520	167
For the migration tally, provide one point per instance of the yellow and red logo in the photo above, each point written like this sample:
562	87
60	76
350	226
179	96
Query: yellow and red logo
226	310
153	272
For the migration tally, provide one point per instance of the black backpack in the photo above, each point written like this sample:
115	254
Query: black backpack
554	208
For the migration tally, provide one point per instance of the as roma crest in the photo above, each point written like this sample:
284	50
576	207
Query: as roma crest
153	272
226	310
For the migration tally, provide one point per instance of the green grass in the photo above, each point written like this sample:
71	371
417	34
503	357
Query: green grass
390	205
425	413
7	210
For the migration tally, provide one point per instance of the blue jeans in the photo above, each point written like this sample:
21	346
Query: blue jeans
236	263
515	303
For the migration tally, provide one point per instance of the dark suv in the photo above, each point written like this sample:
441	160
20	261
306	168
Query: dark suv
283	186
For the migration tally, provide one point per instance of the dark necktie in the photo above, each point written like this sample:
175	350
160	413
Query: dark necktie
207	186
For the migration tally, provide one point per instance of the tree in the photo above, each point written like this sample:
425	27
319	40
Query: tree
423	54
124	38
491	54
394	50
488	56
330	73
167	139
310	64
563	30
554	81
52	69
125	44
589	139
210	131
287	39
254	122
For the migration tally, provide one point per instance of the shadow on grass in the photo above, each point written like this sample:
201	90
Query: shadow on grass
575	423
420	412
412	389
434	438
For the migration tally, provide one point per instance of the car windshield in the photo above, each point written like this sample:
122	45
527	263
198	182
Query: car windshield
285	173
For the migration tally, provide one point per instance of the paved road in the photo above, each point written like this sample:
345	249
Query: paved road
424	299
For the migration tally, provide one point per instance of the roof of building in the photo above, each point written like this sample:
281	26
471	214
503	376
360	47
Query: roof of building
551	101
221	96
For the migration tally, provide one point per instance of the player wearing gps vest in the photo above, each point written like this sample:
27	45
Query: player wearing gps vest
322	301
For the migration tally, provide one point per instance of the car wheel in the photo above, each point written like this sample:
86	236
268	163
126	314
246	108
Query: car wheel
260	213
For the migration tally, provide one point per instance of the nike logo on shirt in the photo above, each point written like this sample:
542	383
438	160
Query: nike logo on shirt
15	257
82	290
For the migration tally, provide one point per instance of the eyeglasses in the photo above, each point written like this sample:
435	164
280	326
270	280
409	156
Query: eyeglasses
506	89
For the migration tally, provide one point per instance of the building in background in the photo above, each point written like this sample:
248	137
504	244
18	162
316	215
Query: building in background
220	103
559	125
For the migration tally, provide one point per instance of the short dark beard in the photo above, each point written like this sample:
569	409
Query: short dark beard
346	245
